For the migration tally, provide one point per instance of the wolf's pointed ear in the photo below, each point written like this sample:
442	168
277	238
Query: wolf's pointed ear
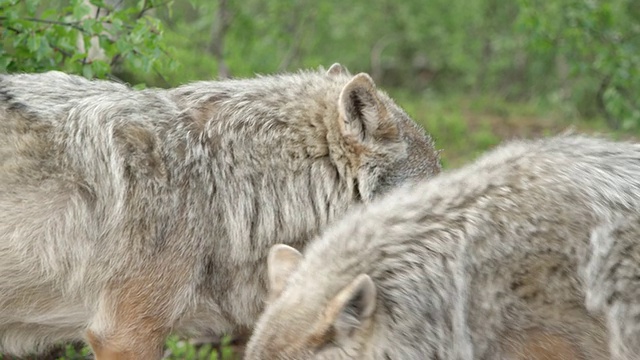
281	262
337	69
362	113
354	304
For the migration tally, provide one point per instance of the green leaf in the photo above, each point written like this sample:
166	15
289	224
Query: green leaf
80	10
5	61
31	6
33	43
87	71
100	68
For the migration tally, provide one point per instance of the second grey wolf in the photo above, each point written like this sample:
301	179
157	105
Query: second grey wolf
127	215
531	252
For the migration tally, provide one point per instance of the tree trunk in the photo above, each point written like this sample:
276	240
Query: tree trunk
218	32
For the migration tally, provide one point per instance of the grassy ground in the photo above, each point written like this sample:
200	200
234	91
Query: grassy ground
463	128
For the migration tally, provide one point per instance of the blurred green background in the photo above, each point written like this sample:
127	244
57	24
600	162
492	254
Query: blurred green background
472	72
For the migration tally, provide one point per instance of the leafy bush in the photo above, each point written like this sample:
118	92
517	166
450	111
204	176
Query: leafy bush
600	43
82	37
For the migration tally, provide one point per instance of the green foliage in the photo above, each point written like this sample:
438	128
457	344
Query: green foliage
176	349
45	35
180	349
73	353
600	42
580	56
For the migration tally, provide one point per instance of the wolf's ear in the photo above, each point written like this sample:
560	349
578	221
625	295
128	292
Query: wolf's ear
362	113
337	69
353	304
281	262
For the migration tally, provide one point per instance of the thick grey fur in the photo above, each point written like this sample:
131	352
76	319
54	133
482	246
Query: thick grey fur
533	249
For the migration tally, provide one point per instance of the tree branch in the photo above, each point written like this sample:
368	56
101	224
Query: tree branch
63	52
144	9
52	22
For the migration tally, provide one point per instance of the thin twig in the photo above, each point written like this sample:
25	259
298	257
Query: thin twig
144	9
53	22
115	59
14	30
63	52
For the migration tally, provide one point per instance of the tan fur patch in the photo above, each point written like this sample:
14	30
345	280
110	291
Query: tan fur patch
108	351
140	327
324	331
387	130
542	345
319	338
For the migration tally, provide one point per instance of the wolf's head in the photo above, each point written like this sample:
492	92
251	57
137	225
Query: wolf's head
314	323
387	147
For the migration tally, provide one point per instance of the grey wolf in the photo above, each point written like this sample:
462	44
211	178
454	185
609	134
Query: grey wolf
530	252
128	215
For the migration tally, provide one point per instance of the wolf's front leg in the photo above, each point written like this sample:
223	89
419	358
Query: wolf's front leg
116	347
134	320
